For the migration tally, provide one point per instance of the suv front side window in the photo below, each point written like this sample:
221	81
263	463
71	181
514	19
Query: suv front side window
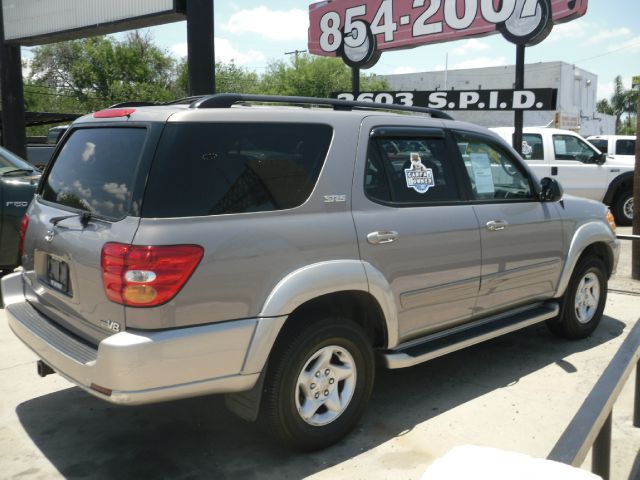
492	173
568	147
409	171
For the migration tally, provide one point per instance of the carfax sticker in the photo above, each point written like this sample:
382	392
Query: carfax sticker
419	177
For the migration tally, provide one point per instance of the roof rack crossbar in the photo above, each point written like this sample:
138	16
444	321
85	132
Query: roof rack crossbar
226	100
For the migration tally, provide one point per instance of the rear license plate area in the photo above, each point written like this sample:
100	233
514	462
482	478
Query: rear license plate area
58	274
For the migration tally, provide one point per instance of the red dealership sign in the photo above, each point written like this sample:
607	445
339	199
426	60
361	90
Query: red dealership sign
360	30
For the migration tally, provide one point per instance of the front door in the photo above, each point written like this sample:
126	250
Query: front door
574	166
521	237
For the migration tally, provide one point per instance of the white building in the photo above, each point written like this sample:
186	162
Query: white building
577	89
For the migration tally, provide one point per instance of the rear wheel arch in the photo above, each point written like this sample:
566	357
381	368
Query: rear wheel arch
357	306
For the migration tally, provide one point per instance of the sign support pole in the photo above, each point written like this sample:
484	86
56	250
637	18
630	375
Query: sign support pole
200	51
519	114
355	81
14	135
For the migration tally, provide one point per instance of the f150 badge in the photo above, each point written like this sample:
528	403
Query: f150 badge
18	204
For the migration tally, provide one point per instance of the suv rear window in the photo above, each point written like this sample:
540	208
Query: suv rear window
95	171
219	168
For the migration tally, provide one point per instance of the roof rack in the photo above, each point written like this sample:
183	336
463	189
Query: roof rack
185	100
226	100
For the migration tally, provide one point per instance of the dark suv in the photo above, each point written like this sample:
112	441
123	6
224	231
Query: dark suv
273	252
18	181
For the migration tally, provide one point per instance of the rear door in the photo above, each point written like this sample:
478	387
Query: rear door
414	227
89	196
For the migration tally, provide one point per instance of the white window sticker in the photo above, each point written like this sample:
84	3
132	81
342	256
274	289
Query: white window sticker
482	172
560	146
419	177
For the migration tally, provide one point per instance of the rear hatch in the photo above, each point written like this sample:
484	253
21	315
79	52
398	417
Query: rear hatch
89	196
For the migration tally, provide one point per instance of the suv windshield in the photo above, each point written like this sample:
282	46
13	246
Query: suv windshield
216	168
95	171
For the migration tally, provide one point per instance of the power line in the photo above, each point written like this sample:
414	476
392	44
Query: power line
608	53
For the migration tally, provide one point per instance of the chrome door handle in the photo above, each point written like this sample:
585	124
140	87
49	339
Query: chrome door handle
497	225
380	237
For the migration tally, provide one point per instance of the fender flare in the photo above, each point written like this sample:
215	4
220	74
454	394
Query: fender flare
313	281
615	183
585	235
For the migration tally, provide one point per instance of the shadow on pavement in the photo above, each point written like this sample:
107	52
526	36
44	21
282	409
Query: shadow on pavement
86	438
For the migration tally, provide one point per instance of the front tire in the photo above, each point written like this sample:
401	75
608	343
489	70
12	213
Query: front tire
583	302
622	207
318	383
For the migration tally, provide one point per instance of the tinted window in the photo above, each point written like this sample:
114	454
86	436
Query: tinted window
602	145
215	168
95	171
493	174
568	147
409	171
532	147
625	147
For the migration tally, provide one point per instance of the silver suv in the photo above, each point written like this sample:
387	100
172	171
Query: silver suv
277	253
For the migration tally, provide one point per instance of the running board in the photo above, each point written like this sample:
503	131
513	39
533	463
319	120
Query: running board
441	343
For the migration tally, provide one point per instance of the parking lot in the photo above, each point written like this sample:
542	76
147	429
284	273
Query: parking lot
517	393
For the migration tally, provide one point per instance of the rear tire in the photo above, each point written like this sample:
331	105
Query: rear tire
583	302
318	383
622	207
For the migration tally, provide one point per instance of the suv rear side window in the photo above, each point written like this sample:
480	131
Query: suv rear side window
409	171
95	171
220	168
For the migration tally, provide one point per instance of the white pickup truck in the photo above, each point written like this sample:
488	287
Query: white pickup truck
581	168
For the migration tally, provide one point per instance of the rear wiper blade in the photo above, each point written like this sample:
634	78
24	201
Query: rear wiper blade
85	218
21	170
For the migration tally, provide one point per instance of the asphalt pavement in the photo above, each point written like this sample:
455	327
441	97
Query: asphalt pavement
517	393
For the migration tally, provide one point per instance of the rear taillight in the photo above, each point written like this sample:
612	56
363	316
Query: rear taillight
24	224
147	276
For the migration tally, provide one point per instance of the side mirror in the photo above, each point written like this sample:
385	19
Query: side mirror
550	190
600	159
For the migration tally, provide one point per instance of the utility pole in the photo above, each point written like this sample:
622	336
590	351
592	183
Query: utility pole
296	53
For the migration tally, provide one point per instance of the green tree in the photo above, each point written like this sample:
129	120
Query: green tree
230	78
623	103
313	76
100	71
603	106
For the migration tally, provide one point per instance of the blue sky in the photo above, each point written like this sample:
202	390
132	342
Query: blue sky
606	41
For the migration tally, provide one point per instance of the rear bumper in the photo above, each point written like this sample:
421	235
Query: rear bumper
138	367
